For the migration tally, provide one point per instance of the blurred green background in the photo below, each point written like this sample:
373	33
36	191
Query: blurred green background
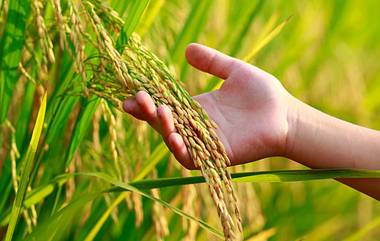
325	53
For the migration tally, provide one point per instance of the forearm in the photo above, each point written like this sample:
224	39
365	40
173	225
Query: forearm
318	140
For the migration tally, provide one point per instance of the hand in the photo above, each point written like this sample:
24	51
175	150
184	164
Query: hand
251	109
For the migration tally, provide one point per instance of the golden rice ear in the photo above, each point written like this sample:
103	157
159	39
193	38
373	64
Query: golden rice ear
139	69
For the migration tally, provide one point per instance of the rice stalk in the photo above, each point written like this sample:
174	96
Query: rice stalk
189	196
45	41
76	37
59	19
14	155
138	208
159	220
111	120
253	214
3	15
25	73
95	131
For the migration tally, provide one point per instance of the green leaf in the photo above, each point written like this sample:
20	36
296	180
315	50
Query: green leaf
11	44
236	45
360	234
133	18
37	195
25	114
263	42
264	176
149	16
95	230
26	170
159	152
54	227
81	127
190	32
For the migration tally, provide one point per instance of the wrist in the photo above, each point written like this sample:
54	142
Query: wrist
293	119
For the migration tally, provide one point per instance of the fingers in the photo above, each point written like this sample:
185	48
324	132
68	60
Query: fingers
166	120
178	148
210	60
147	107
142	107
130	106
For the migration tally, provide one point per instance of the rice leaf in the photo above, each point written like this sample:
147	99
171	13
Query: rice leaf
81	127
326	229
263	176
263	235
237	43
362	232
11	44
215	83
159	152
133	18
37	195
25	113
26	171
190	32
149	16
55	227
94	231
263	42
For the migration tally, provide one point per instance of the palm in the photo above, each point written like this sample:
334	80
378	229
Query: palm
250	111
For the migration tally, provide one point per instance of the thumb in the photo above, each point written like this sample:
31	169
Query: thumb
210	60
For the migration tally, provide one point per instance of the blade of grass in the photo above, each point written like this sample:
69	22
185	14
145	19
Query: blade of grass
263	42
159	152
149	16
268	176
360	234
190	32
37	195
81	127
263	235
137	9
327	228
54	227
94	231
26	171
236	45
11	44
264	176
259	45
80	130
25	113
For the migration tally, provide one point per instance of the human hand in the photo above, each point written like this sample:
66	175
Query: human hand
251	109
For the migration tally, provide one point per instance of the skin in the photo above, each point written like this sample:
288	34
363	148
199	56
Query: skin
258	118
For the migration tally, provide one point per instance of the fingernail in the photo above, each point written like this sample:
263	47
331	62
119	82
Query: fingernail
127	106
159	111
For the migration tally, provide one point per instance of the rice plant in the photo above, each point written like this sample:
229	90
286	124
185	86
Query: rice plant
74	166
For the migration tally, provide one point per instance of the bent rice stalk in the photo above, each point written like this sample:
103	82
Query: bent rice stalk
138	69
